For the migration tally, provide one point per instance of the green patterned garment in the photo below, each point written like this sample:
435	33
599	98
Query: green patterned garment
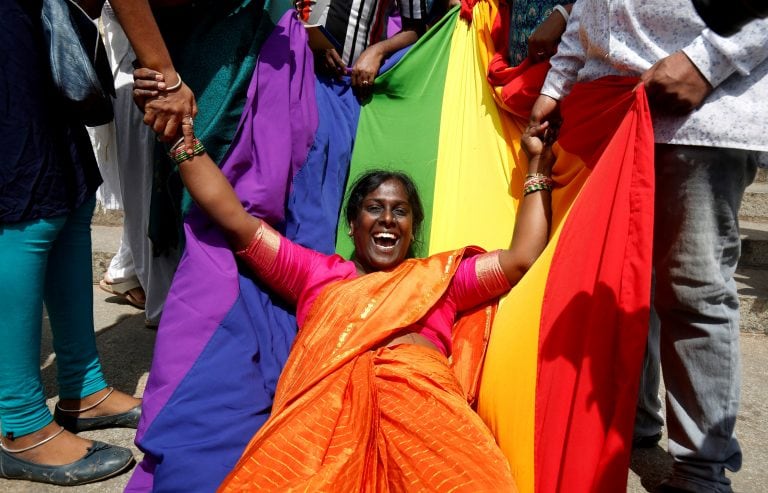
525	17
214	45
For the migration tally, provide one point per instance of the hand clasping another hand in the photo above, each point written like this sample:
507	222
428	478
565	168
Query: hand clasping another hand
537	143
164	110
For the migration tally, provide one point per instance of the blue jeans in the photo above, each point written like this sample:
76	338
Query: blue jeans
46	260
694	329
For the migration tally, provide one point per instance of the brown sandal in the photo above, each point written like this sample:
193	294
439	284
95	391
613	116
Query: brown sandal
130	290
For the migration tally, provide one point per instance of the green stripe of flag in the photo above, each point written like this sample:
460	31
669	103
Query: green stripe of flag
399	128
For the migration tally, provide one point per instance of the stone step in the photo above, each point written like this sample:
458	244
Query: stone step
753	298
754	207
762	173
754	244
752	274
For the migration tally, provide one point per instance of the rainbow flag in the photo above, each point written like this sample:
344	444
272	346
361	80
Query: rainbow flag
560	378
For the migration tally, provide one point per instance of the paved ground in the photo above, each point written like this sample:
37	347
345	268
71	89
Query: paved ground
126	350
649	467
125	346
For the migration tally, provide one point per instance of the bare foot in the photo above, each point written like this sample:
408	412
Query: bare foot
63	449
118	402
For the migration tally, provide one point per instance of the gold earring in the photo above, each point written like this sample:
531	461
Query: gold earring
349	233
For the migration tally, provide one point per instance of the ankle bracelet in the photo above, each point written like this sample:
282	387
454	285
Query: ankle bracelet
87	408
41	442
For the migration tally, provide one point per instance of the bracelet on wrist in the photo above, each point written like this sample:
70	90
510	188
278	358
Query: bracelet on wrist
537	182
539	187
178	152
563	11
175	86
537	175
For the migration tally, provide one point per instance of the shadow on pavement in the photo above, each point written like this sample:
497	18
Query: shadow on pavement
125	349
652	465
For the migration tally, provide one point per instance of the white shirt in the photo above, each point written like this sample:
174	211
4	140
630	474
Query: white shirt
626	37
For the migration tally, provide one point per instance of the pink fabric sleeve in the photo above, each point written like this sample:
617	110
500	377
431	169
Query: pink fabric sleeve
283	265
294	272
477	280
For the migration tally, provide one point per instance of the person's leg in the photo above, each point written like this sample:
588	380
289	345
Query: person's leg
696	249
69	299
24	249
135	152
135	155
24	416
121	267
648	421
33	446
427	433
102	141
120	279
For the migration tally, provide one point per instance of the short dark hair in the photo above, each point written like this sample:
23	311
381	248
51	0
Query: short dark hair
370	181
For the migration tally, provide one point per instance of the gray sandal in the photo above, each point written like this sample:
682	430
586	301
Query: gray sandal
101	461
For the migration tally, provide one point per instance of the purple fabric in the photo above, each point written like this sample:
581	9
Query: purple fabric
276	127
271	144
394	23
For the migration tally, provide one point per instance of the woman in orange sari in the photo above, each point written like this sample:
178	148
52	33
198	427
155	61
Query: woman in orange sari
374	396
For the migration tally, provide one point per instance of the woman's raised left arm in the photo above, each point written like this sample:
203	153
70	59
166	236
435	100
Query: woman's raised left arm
535	213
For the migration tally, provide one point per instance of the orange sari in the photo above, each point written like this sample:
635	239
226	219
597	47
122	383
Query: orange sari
350	415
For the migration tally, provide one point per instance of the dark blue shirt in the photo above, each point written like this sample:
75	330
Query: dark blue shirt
47	167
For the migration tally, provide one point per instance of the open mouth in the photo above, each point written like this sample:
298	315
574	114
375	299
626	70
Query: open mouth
385	241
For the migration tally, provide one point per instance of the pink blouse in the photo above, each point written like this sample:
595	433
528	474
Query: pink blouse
299	274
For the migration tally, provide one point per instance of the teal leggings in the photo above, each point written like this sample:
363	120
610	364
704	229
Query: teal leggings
45	260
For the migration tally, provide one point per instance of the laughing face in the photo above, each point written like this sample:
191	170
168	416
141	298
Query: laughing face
383	229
